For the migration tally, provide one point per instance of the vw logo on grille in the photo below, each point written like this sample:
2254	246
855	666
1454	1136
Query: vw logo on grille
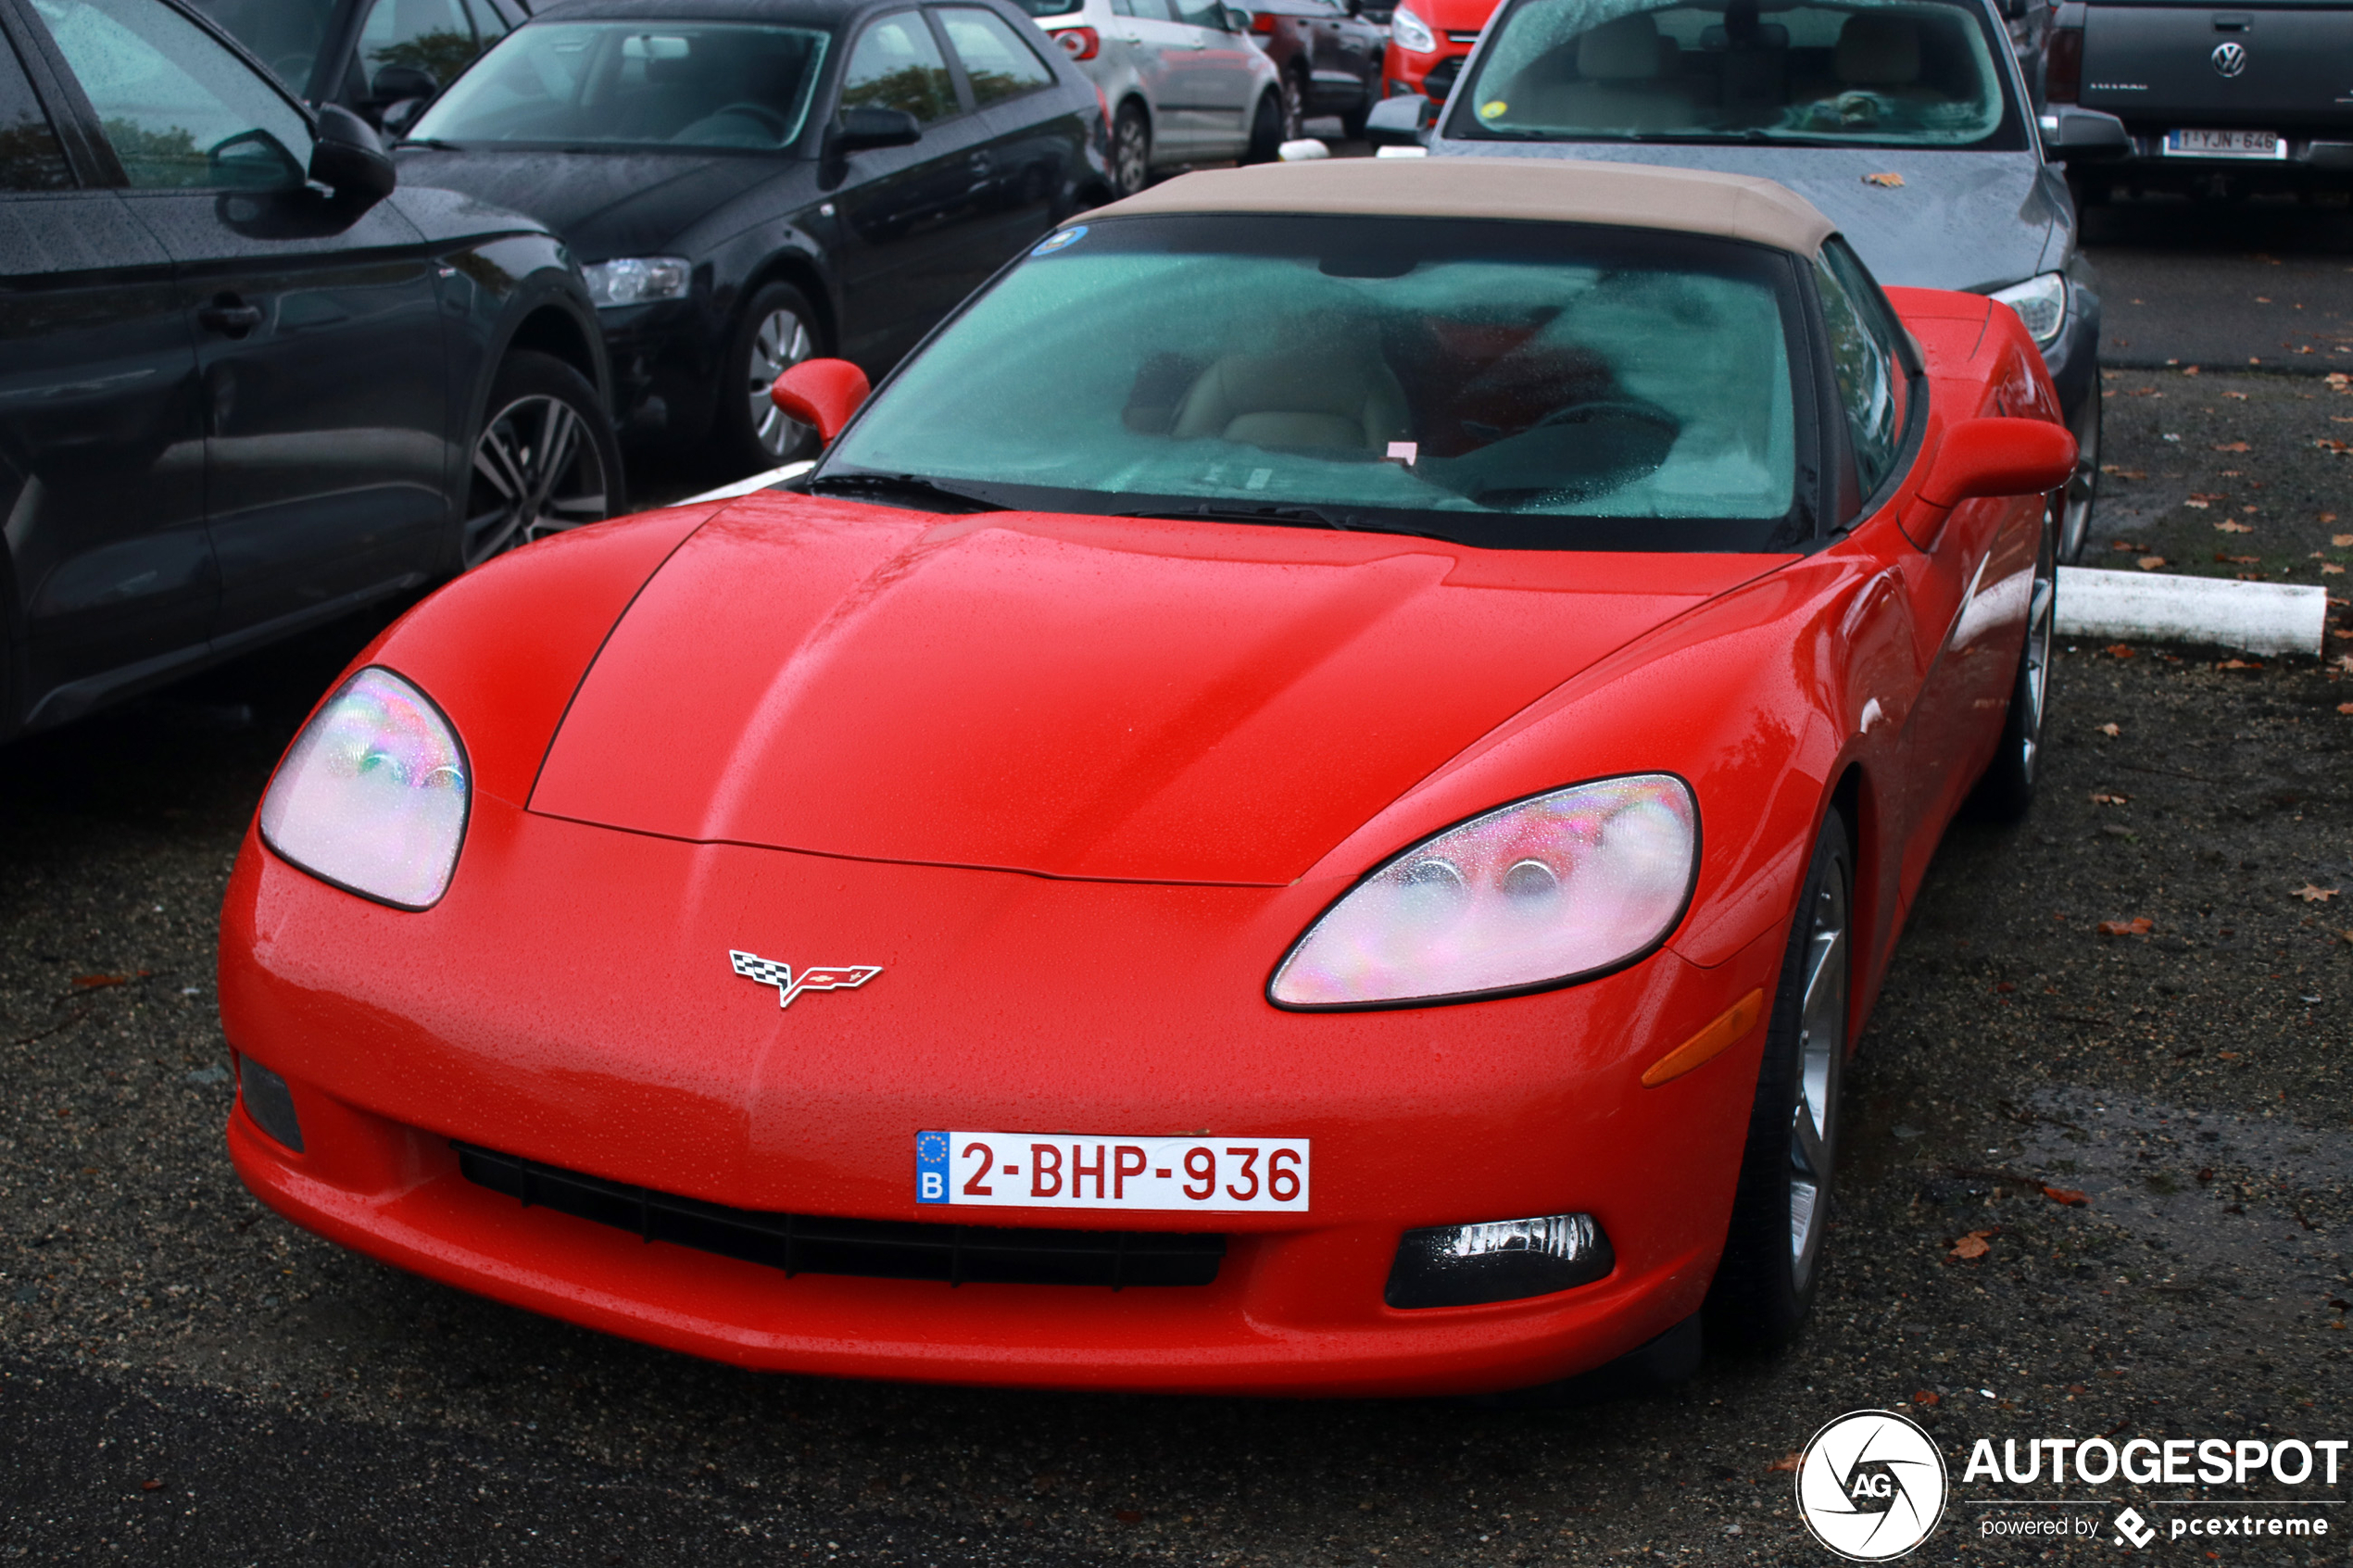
2228	59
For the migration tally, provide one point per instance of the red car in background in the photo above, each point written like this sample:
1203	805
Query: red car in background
1311	798
1428	40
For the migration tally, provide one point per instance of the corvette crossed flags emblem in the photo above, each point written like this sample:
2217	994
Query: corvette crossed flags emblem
845	977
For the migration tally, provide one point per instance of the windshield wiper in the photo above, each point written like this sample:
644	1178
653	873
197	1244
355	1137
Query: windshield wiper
911	486
435	142
1312	516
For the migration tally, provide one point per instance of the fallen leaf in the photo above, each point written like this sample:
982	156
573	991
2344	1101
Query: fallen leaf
1787	1461
2139	925
1928	1396
1972	1245
2150	563
2068	1195
2123	473
1127	1516
2342	541
2196	505
2240	664
2343	661
2231	525
2100	800
2240	396
2119	650
2076	1388
2314	894
2205	1175
98	981
2112	732
1886	182
2189	370
2232	446
2221	560
2339	447
2330	569
2344	707
151	1486
2228	1055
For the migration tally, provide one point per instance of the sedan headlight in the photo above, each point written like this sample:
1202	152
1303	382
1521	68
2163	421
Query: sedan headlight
637	279
2041	303
372	797
1561	886
1412	33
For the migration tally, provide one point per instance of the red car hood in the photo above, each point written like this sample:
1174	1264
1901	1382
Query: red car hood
1456	16
1072	697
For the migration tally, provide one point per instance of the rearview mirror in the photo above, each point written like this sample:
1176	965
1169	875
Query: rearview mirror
1402	121
856	130
2069	132
394	82
821	392
349	160
1999	457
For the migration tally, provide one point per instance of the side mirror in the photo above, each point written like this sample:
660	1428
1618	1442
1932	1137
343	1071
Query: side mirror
1233	19
394	82
1999	457
824	393
1402	121
349	160
2069	132
856	130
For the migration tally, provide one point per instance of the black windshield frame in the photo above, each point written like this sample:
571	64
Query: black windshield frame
2010	134
1392	238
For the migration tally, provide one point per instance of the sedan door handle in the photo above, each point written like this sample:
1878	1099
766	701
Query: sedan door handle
228	316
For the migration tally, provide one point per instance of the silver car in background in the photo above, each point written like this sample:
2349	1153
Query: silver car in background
1182	83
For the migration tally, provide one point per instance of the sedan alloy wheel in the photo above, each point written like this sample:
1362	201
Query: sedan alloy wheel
539	468
779	340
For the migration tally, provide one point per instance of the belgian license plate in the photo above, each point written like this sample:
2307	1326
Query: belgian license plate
1066	1171
2225	143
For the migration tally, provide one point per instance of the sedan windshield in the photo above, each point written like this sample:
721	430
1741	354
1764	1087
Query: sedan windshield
1520	385
1919	73
690	85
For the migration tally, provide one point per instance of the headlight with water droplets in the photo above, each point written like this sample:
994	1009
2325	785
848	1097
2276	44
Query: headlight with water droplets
372	797
1540	892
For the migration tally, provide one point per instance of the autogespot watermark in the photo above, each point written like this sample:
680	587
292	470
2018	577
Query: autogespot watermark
1873	1486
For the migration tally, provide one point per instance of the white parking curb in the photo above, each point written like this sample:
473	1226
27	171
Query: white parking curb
750	483
2161	606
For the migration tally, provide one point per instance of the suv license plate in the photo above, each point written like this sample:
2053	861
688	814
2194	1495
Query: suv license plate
2225	143
1064	1171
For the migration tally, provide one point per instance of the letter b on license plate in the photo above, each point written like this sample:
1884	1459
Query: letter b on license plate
1064	1171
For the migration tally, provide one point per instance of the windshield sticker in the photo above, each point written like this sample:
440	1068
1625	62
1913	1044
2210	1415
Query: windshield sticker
1493	107
1062	240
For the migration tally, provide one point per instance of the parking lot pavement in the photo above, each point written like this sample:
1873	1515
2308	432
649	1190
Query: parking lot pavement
185	1378
2224	284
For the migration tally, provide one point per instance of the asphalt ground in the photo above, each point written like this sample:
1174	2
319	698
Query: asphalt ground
185	1378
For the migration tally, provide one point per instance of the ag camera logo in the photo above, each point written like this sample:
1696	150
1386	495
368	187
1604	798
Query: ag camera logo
1871	1486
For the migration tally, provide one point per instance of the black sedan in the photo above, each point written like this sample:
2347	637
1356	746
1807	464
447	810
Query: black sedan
380	58
246	386
748	182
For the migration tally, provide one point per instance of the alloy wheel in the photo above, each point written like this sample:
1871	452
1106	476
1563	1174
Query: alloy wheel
1131	153
2034	679
1295	108
2075	512
1822	1053
780	342
537	472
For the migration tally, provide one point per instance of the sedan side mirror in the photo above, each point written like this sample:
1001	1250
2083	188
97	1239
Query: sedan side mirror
821	392
1402	121
1999	457
1233	19
856	130
2069	132
349	160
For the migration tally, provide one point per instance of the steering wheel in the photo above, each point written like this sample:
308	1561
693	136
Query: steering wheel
761	112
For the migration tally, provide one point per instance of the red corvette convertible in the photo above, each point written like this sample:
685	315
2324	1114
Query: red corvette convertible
1309	799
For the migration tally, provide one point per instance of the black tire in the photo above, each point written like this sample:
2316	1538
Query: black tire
2008	789
776	329
545	459
1294	107
1265	129
1352	121
1131	151
2075	501
1772	1257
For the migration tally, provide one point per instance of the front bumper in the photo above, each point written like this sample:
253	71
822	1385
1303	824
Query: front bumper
665	359
571	1002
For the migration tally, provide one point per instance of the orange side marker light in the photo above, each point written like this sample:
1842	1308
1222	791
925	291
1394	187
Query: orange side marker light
1709	1043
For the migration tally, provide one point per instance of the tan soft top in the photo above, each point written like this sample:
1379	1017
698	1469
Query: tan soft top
1634	195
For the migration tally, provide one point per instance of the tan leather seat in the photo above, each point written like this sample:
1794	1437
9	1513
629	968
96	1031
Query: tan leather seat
1881	55
1333	395
1623	82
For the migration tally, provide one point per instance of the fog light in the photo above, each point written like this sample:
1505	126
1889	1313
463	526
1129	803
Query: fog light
1501	1261
269	1102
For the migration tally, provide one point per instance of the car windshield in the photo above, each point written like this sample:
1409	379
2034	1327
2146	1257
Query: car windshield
285	36
683	83
1912	73
1516	385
